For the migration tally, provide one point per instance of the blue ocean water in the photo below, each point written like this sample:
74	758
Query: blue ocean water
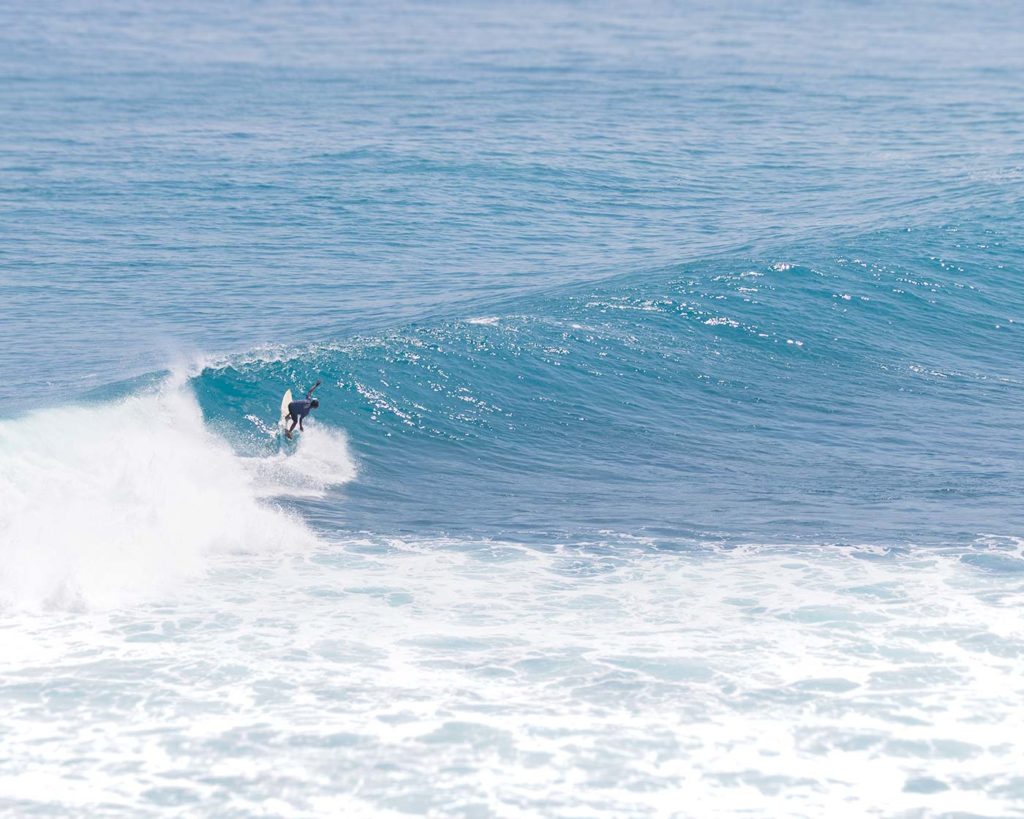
668	460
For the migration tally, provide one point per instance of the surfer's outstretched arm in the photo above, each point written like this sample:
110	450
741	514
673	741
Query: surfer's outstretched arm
317	384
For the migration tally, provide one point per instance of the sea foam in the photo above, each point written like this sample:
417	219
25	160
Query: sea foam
105	504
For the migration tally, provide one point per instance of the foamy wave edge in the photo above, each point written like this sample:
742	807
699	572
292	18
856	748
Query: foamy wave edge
116	503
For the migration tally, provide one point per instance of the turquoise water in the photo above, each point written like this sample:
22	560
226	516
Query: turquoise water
668	455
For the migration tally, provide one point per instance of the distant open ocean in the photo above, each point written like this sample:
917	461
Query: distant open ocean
670	459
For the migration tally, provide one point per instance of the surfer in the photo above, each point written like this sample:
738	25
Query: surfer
297	410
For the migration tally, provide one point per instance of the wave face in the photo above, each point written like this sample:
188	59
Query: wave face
865	394
869	395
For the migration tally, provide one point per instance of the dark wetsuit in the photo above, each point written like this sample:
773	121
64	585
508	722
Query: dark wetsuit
297	410
300	409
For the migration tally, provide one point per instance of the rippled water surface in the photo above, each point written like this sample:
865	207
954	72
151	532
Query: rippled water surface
668	460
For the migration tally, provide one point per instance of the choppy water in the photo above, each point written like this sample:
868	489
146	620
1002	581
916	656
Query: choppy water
669	455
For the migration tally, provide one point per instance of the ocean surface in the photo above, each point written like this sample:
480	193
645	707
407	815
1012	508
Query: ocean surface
670	456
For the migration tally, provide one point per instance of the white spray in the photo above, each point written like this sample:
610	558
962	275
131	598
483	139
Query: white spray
103	505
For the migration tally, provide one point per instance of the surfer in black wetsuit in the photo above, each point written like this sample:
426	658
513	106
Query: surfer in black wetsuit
297	410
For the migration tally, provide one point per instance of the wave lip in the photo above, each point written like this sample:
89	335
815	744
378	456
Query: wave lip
110	504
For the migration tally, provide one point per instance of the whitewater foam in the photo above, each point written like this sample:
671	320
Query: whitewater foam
106	504
485	678
321	459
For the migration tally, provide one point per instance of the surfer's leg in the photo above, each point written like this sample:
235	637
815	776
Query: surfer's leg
288	432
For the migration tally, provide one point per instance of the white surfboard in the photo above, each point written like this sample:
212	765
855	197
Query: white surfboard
285	401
